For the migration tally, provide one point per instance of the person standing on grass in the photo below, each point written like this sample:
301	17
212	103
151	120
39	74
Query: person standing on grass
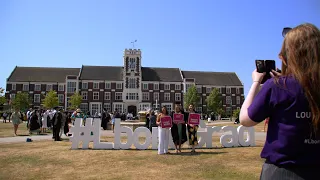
58	118
153	121
178	131
163	133
4	115
192	131
291	100
16	120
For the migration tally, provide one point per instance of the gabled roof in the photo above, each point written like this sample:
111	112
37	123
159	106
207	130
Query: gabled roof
41	74
108	73
213	78
161	74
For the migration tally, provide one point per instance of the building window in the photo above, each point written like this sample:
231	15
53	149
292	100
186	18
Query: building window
167	96
37	87
132	63
95	85
118	96
60	98
228	100
145	96
156	106
132	83
71	87
145	86
228	90
178	87
61	87
228	110
95	95
208	89
166	86
108	85
49	87
14	87
118	85
84	85
132	96
220	91
199	89
156	96
12	96
144	107
237	91
36	98
107	96
84	107
107	106
238	99
199	109
168	106
177	96
84	95
155	86
95	107
188	86
25	87
118	107
68	102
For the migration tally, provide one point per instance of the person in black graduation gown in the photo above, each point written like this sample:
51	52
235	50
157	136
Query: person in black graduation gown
104	121
57	125
178	131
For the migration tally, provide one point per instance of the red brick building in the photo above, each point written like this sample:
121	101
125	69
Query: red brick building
128	88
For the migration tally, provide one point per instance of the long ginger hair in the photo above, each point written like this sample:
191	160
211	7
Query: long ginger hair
300	55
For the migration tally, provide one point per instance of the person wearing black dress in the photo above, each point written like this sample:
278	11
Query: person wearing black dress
178	131
192	131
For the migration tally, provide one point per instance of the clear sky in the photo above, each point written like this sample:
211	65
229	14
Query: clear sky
206	35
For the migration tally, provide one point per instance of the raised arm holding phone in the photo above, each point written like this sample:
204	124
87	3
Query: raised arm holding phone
291	101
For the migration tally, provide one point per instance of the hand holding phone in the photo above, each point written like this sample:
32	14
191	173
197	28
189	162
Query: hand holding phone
265	66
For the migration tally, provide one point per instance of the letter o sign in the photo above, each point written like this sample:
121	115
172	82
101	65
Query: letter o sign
136	134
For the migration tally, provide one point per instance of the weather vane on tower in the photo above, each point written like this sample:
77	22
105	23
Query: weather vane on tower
133	43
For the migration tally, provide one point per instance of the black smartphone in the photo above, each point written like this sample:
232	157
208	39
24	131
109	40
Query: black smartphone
265	66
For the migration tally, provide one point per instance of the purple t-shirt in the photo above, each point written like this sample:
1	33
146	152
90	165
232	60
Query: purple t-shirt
289	139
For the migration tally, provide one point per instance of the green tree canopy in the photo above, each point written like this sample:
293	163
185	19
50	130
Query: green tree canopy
236	113
2	97
51	100
21	101
220	111
191	97
75	100
214	101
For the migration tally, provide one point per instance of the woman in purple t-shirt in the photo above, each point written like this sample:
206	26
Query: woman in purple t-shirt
291	101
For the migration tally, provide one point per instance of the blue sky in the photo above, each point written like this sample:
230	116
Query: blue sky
207	35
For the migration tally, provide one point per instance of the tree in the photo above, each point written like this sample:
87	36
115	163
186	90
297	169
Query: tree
21	101
75	100
236	113
214	101
2	97
191	97
51	100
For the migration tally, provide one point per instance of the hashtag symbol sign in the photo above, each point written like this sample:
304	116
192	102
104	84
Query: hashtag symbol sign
84	134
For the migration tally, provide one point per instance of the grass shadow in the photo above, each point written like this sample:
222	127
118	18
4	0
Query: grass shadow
197	153
22	134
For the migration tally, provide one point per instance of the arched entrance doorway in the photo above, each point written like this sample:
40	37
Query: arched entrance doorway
132	109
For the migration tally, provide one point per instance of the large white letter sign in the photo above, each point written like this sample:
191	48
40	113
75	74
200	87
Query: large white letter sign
136	134
232	136
250	140
117	136
224	139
